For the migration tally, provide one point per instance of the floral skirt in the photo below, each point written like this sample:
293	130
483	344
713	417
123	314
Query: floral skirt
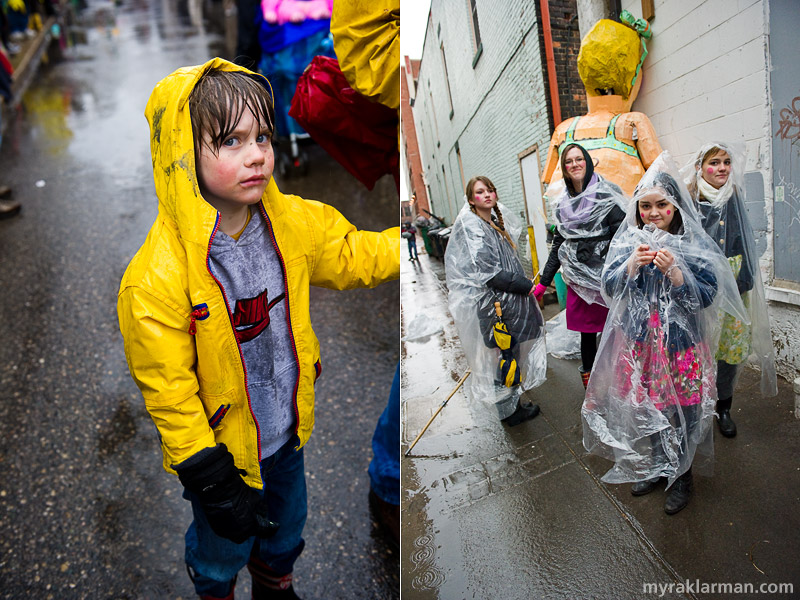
648	373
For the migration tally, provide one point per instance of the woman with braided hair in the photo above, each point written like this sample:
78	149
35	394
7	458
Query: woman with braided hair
482	268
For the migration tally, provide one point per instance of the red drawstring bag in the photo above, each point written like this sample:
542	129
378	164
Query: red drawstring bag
359	133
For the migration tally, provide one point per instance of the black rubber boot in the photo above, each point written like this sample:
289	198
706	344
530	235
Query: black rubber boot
640	488
679	494
726	425
522	414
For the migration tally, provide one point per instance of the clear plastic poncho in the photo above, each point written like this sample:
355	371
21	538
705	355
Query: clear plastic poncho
724	217
650	401
475	254
584	222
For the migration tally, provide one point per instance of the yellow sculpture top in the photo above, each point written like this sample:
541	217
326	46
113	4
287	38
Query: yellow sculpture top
621	143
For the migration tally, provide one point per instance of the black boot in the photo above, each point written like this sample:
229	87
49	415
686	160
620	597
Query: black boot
679	494
640	488
726	425
523	413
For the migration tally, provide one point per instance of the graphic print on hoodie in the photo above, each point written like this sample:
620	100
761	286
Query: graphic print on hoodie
250	273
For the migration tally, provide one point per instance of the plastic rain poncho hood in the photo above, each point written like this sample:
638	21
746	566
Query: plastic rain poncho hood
650	401
475	254
724	217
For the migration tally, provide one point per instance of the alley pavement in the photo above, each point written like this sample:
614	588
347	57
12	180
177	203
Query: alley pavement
520	513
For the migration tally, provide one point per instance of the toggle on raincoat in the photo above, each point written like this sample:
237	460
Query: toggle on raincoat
650	402
477	254
724	217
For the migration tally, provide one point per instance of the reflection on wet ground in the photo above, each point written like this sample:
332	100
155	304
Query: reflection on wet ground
88	511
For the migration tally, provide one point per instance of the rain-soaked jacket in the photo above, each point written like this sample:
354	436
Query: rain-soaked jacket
179	338
650	401
482	268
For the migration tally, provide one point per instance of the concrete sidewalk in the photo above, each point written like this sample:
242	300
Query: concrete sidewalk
520	513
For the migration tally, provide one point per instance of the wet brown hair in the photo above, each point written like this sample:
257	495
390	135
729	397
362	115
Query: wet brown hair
218	101
470	196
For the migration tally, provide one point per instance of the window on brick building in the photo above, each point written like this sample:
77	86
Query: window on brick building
477	45
447	81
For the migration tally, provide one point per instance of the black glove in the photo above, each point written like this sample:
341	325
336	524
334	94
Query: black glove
234	510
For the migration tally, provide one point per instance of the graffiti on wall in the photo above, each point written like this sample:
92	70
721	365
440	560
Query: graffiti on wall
789	122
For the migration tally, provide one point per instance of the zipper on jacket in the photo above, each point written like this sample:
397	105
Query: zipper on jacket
238	345
288	317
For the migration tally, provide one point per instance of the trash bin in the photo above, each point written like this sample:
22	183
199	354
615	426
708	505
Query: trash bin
444	237
436	245
423	230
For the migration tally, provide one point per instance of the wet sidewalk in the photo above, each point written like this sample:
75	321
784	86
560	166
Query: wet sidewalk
520	513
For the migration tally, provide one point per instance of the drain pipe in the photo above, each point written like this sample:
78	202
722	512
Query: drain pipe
551	62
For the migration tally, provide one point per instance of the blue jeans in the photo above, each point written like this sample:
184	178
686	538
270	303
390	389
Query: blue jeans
384	469
214	561
412	248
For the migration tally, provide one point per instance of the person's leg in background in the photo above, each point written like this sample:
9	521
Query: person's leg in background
248	48
384	469
8	207
588	354
726	380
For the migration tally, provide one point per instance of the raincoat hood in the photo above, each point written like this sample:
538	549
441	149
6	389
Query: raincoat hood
172	150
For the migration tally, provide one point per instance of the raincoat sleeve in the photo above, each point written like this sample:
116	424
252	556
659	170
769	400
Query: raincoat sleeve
553	262
161	356
345	257
366	39
509	281
697	291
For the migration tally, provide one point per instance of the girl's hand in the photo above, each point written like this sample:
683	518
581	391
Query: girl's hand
641	256
665	262
537	291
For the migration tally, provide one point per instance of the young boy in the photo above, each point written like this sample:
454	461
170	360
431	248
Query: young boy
214	311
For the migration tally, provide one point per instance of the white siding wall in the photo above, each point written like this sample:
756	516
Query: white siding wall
499	106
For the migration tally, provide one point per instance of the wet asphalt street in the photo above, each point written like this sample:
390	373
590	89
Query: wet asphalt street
86	510
520	513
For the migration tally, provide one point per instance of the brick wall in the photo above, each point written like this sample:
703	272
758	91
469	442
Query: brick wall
411	146
566	45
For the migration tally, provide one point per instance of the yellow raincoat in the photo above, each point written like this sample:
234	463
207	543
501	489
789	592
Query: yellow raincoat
179	339
366	39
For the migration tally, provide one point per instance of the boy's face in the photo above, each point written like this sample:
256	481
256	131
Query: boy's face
238	174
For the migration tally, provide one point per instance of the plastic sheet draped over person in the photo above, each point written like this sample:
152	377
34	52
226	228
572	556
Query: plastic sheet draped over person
724	217
583	221
475	255
650	402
